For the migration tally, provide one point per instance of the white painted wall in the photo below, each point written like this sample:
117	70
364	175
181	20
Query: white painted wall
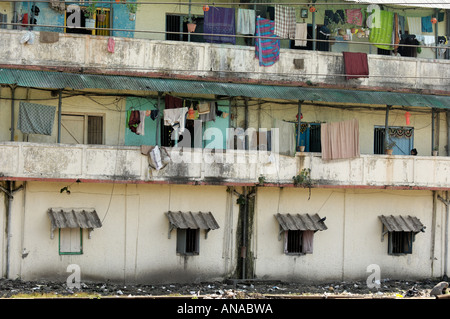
133	245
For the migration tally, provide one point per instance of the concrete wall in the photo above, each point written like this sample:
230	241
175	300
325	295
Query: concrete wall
133	245
220	61
352	241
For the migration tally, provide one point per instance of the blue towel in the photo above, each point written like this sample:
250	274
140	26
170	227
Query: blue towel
426	24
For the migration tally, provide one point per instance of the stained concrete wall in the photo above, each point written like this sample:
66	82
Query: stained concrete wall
352	241
133	245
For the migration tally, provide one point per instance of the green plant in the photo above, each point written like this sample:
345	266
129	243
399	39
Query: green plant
304	179
190	19
90	10
261	180
132	7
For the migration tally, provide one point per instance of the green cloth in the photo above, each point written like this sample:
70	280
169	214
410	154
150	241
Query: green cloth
36	118
382	33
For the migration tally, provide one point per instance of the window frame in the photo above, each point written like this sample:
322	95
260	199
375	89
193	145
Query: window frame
83	29
407	239
80	252
183	236
86	125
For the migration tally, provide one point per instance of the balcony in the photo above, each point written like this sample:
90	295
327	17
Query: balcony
156	58
126	164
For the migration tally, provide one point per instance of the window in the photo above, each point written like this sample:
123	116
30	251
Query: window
309	136
298	242
102	21
402	137
400	242
176	26
188	241
82	129
70	241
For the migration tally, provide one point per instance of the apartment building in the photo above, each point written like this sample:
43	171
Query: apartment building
251	147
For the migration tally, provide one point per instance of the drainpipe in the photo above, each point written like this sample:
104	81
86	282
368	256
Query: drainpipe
13	90
386	128
448	133
158	120
436	33
246	124
432	130
446	203
244	233
9	192
59	116
298	124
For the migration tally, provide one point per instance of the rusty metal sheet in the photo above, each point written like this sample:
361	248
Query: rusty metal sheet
405	223
59	80
192	220
74	218
301	222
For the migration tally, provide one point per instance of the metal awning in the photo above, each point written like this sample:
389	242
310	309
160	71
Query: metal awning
402	223
437	4
301	222
406	223
73	218
190	220
60	80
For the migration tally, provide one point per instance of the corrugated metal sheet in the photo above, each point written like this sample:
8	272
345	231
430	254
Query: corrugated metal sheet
191	220
301	222
402	223
73	218
439	4
58	80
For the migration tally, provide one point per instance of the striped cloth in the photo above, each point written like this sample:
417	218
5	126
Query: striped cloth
284	22
267	45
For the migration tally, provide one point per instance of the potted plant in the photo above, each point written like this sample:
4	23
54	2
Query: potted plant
102	15
132	9
435	151
89	13
390	147
191	23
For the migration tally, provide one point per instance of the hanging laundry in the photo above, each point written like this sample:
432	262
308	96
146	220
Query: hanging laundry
284	22
285	138
36	118
340	140
134	118
307	241
429	40
381	35
355	65
246	21
175	118
301	34
203	108
267	45
172	102
414	25
211	115
354	16
140	130
111	45
427	26
154	114
220	22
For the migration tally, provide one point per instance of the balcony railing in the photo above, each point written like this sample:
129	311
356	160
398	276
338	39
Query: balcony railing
126	164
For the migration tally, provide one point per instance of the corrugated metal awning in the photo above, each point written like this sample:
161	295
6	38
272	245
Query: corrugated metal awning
73	218
402	223
59	80
301	222
192	220
439	4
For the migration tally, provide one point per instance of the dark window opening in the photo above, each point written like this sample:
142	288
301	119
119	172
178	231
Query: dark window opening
176	29
95	130
188	241
294	242
400	242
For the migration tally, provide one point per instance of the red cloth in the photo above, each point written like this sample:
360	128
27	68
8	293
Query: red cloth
172	102
356	65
